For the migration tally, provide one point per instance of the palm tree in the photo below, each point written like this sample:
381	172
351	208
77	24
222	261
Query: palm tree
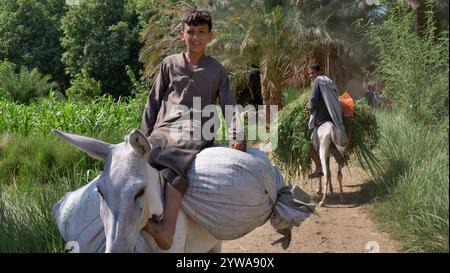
268	35
276	38
344	55
160	36
282	37
25	86
263	35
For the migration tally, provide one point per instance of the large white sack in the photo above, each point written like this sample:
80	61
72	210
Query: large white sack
231	192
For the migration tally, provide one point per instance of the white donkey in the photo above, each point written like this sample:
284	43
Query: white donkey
325	137
131	192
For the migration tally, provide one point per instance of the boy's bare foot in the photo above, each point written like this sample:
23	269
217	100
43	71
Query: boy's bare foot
238	146
163	231
162	237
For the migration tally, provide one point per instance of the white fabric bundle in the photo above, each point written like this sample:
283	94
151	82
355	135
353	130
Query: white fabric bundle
231	193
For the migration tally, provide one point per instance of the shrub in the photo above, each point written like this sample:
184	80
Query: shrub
30	32
84	87
25	86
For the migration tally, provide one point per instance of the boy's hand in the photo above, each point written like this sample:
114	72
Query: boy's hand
238	146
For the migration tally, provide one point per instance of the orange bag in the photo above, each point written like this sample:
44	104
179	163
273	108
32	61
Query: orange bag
347	104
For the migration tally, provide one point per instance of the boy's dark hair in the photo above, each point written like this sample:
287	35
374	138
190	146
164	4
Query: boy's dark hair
314	66
198	17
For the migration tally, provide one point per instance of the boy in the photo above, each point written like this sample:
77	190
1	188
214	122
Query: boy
184	78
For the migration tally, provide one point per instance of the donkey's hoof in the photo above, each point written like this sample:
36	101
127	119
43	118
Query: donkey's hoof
321	204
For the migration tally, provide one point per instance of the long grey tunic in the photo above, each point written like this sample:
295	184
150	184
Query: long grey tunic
317	103
329	95
169	119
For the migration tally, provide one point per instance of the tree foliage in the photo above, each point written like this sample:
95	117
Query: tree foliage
160	36
102	36
413	67
82	86
30	33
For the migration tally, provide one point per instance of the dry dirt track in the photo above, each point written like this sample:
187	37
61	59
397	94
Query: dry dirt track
340	228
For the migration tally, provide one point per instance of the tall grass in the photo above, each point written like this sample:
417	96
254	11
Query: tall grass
35	172
26	220
38	160
291	94
412	194
37	168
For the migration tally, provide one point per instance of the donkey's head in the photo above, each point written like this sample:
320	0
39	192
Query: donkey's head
129	187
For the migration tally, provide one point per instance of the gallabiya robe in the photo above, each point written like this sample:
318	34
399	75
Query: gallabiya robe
171	118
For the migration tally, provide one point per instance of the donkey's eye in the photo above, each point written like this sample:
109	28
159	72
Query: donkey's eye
139	194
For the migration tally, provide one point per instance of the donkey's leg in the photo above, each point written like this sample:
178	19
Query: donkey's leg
339	177
338	158
329	171
324	155
319	189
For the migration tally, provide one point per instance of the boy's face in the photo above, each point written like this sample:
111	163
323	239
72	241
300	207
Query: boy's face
312	73
196	38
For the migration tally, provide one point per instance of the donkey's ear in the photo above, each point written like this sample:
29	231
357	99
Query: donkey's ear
139	142
94	148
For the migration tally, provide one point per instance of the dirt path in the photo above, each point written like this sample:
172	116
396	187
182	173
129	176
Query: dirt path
340	227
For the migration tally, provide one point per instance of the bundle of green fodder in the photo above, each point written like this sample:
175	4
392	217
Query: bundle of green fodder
292	152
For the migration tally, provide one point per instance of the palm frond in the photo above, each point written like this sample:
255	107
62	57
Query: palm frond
26	85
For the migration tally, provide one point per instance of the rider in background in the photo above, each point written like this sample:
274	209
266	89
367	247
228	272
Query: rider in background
323	110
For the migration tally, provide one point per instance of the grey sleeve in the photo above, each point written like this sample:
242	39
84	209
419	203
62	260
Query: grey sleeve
154	100
315	95
230	110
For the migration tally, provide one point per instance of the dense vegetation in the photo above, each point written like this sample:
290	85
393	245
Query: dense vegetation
412	193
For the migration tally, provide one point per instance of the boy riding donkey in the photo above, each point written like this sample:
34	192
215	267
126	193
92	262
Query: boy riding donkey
185	80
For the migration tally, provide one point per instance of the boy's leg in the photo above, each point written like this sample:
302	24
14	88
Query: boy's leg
163	231
171	160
